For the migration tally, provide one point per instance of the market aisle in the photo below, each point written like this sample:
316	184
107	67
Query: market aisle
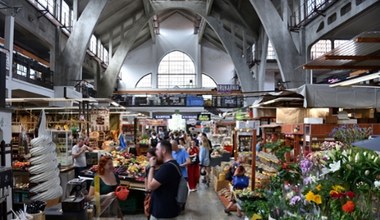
202	205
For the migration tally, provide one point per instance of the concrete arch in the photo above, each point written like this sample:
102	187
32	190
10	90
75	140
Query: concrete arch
69	67
289	58
107	82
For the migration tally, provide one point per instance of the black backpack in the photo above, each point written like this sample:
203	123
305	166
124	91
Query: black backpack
154	142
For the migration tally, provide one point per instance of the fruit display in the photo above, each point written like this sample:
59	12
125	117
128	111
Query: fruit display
127	165
20	165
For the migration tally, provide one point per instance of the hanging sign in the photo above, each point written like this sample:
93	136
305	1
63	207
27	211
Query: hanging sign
162	116
204	117
189	117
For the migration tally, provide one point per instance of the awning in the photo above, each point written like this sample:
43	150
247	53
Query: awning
323	96
371	144
285	98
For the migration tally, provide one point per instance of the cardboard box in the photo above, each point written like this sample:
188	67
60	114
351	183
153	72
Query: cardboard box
331	119
220	184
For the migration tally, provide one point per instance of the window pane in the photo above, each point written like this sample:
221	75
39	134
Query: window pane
21	70
208	82
271	55
176	70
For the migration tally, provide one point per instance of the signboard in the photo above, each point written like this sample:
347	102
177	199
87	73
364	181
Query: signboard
227	88
162	116
188	117
204	117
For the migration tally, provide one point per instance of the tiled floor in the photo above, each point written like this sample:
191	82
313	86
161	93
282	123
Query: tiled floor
203	204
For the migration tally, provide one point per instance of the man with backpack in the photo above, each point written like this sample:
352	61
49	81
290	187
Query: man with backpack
153	141
164	183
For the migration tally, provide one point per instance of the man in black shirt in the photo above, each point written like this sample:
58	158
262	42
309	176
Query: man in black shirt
163	183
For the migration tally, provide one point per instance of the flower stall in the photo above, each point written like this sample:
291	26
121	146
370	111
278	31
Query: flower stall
340	181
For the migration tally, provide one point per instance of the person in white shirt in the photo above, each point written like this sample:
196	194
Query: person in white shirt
79	156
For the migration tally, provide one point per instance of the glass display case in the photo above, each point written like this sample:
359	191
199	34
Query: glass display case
64	142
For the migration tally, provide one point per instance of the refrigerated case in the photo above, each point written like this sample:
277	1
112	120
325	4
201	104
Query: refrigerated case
64	142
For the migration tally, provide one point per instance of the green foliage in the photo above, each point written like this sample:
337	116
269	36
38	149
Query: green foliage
258	206
278	148
349	134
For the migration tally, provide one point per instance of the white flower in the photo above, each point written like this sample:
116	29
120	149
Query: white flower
377	184
335	166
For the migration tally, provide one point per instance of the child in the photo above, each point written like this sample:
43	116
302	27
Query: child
239	181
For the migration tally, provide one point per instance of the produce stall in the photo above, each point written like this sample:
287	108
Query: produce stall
129	168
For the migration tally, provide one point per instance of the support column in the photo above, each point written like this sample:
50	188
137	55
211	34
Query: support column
288	57
9	37
75	12
110	47
154	68
263	60
198	67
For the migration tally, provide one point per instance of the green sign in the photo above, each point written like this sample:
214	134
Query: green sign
204	117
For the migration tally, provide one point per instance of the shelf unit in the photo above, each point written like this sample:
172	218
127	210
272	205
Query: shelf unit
20	195
64	143
129	132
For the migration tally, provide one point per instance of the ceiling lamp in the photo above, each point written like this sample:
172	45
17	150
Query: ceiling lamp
356	80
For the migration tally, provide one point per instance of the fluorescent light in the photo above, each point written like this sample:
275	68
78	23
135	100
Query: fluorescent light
355	80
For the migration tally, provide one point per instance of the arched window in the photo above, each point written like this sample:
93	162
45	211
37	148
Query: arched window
145	81
207	81
176	69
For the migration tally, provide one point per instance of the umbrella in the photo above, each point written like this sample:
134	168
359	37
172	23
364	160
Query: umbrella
371	144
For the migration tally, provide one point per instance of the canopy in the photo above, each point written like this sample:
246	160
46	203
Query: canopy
323	96
371	144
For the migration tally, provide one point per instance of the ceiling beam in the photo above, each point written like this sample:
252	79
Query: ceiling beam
202	27
148	9
116	19
345	57
215	42
343	67
242	23
203	24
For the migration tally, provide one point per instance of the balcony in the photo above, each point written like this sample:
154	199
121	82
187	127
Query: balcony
181	100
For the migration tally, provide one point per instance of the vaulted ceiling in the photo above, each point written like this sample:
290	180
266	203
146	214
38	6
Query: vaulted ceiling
119	16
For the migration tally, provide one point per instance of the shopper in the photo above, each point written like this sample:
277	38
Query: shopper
204	159
232	168
79	156
163	183
181	156
153	140
147	201
108	182
182	144
239	182
193	168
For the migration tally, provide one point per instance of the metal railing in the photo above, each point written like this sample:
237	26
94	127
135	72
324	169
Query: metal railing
307	12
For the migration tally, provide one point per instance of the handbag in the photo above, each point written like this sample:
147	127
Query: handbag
194	159
122	192
240	182
147	205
